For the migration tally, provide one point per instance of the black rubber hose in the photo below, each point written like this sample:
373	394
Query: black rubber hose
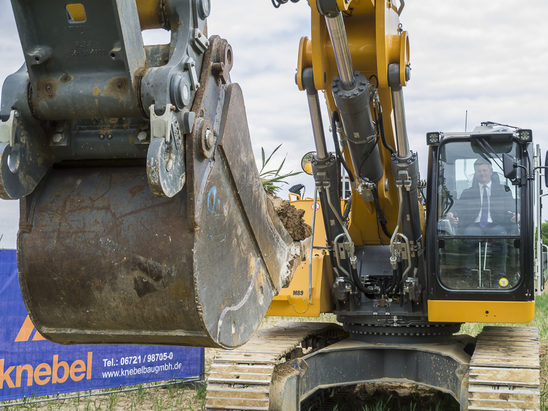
335	119
380	214
379	121
380	125
357	281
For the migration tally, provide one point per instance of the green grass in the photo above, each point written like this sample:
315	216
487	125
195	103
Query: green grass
540	321
544	384
171	397
541	317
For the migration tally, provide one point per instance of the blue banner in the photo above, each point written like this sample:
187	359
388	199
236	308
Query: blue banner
31	366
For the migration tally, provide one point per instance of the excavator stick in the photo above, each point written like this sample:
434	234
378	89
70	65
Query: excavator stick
161	232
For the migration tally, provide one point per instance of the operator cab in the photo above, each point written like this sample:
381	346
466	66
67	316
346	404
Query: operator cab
480	223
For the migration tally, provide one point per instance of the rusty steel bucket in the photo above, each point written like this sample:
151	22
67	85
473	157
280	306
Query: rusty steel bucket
102	260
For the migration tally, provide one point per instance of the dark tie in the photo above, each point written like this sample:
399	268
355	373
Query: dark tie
484	216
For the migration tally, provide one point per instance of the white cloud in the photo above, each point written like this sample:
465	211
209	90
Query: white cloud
487	58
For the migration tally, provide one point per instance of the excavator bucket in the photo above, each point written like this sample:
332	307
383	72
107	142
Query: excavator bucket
103	260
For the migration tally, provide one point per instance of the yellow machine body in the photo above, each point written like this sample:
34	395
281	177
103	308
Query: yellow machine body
375	40
480	311
303	297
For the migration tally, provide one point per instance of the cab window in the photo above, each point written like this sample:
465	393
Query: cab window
478	217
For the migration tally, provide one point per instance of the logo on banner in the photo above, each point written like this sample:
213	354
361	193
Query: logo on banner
44	373
26	331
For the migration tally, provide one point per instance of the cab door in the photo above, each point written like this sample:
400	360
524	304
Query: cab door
479	231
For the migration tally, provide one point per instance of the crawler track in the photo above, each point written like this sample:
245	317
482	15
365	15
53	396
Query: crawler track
240	379
505	370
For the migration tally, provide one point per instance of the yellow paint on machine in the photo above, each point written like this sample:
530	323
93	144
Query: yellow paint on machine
150	14
77	12
375	39
480	311
294	300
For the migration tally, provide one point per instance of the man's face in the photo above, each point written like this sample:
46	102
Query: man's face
483	173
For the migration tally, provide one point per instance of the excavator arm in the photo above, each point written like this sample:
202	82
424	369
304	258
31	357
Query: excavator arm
359	56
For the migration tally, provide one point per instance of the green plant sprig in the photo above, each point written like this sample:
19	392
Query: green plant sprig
273	179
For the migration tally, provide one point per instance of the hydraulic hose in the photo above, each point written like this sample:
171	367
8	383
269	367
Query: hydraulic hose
334	120
380	125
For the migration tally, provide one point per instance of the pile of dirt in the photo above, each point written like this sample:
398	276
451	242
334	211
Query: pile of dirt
292	219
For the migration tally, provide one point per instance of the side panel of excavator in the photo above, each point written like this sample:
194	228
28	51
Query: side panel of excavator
309	292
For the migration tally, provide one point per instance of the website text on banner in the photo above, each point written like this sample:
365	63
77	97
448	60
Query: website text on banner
31	366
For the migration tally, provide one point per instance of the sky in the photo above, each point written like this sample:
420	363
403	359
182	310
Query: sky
485	58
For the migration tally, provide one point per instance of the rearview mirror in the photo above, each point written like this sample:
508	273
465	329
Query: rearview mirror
306	162
509	167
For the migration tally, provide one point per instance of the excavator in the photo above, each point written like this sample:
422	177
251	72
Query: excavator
143	219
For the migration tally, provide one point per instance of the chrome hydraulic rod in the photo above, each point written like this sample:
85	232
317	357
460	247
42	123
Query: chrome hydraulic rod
315	114
399	121
337	33
317	125
399	109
